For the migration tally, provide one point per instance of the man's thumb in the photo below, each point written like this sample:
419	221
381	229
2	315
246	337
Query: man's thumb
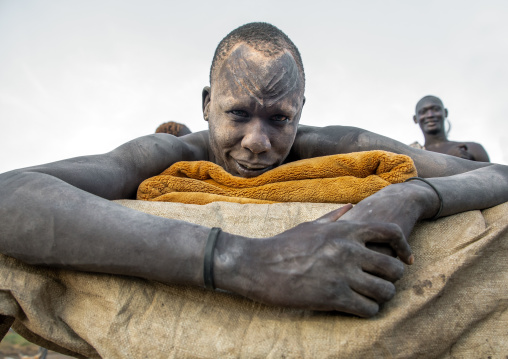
334	215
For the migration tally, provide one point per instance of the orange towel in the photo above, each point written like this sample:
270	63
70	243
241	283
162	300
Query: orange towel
330	179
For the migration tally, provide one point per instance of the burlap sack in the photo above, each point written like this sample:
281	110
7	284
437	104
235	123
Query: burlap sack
452	303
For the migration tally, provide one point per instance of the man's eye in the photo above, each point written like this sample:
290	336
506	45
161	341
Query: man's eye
280	118
239	113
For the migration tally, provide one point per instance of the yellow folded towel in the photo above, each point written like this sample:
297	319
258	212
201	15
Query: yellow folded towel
330	179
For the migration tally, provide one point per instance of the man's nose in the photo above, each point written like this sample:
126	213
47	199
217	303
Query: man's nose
429	113
256	139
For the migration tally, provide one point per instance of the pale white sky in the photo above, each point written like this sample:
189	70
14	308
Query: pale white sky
83	77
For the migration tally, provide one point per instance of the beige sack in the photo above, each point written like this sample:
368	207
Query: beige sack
452	303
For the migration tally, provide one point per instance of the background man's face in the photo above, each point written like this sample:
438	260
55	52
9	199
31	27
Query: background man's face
253	110
430	115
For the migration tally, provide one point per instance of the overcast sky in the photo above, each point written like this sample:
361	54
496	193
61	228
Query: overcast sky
83	77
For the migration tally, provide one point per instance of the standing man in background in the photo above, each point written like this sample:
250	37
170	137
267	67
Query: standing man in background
430	114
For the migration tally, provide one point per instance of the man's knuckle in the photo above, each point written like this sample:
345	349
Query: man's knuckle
394	229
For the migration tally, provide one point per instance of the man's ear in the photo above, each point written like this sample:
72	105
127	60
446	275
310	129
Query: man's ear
205	98
303	104
414	119
445	112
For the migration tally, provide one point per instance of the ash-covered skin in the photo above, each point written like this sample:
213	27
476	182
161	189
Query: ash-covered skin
253	110
61	214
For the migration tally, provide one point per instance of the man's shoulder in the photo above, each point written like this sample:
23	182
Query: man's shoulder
199	139
312	141
347	135
189	147
473	145
198	143
306	130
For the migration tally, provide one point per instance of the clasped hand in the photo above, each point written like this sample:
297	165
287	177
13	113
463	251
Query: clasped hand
326	265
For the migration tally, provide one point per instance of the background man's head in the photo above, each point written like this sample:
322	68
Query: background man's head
255	98
430	114
173	128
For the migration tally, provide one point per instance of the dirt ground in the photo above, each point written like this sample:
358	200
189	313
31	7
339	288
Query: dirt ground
51	355
14	346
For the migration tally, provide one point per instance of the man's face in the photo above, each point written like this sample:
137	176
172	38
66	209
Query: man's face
253	110
430	115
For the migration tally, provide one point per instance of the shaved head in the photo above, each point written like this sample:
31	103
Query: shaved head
262	37
428	98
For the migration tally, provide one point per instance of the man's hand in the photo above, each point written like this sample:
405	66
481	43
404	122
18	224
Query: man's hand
403	204
318	265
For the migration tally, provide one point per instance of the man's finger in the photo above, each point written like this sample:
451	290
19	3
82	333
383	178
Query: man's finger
374	287
382	248
383	266
391	234
334	215
359	305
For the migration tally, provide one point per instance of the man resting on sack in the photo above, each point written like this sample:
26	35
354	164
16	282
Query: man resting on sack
61	215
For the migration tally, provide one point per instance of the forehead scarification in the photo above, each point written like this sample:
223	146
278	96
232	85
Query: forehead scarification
265	78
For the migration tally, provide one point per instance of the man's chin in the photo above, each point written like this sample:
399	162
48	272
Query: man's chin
433	127
432	130
243	171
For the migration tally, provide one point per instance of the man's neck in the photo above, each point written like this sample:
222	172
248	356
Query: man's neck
435	139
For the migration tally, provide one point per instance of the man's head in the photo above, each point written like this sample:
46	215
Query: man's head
173	128
430	114
262	37
255	100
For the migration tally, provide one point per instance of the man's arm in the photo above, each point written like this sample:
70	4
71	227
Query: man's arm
117	174
60	215
464	185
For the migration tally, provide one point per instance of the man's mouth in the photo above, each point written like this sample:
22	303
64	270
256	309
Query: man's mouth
245	169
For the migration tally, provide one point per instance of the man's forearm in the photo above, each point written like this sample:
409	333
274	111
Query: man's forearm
46	221
406	203
478	189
